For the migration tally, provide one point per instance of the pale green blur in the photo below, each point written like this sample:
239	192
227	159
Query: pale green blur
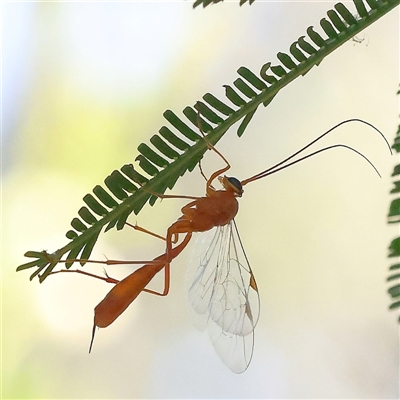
100	76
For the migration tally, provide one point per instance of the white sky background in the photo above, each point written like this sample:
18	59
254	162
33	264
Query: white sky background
83	85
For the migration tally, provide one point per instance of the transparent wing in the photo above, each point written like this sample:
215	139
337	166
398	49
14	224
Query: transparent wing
223	292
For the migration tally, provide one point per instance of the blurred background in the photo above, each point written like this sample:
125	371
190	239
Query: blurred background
83	85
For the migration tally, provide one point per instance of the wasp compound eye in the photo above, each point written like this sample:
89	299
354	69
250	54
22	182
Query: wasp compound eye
236	185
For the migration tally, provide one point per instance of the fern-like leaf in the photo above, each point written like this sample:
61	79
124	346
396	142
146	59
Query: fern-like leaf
179	147
205	3
394	217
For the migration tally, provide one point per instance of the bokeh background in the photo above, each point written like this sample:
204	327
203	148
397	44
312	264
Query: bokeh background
83	85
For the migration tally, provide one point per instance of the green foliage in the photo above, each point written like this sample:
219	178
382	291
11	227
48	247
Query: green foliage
179	149
394	217
205	3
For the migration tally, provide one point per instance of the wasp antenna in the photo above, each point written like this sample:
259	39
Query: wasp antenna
275	168
311	155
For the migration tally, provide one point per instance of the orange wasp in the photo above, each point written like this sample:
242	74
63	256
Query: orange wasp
223	289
